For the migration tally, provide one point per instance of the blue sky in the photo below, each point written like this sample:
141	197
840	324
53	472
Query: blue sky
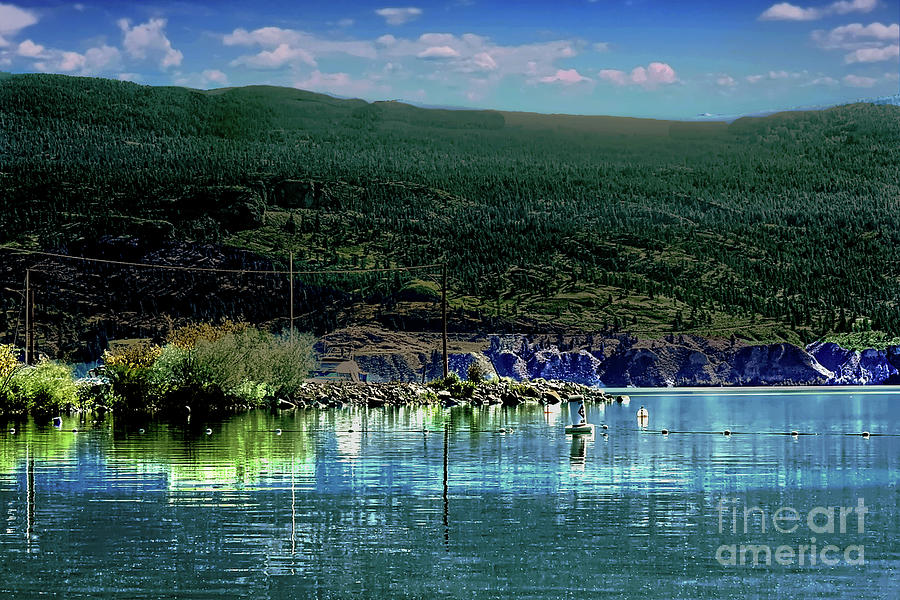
650	58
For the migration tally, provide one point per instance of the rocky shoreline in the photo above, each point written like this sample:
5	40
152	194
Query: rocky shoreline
489	393
620	360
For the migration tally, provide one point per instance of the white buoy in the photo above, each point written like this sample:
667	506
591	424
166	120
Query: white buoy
605	426
141	430
665	432
866	434
579	424
795	433
12	429
643	417
727	432
208	431
57	422
277	432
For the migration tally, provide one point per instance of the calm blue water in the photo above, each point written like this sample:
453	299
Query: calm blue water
429	503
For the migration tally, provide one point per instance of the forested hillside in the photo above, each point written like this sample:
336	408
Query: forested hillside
779	227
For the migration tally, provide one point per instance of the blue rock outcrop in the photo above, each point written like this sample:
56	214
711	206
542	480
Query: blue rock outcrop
622	361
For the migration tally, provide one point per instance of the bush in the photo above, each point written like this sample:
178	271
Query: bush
9	365
187	337
225	370
456	387
45	388
476	373
255	356
129	369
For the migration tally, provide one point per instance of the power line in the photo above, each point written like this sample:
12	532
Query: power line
212	270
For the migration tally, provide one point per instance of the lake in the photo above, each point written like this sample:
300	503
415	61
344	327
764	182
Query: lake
464	503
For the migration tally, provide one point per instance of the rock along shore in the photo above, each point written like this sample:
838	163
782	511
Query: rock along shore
506	393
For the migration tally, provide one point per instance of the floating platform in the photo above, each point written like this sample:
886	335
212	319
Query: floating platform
585	429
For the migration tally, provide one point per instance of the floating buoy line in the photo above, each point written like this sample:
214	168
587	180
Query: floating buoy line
793	434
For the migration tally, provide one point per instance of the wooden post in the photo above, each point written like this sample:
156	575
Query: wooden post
27	316
33	344
291	292
444	315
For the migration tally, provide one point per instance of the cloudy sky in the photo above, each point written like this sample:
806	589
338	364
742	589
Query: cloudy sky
652	58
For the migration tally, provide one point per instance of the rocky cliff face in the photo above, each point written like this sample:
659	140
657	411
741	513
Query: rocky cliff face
674	361
858	367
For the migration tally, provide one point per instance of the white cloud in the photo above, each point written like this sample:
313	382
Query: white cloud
470	53
214	76
3	43
290	47
655	74
386	40
829	81
775	76
484	62
892	76
93	61
601	46
856	35
13	18
276	59
650	77
857	81
565	77
726	81
614	76
338	83
785	11
844	6
438	52
434	39
867	55
149	41
346	23
399	16
29	49
135	77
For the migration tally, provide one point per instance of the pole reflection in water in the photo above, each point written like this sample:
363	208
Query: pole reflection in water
29	499
446	496
293	509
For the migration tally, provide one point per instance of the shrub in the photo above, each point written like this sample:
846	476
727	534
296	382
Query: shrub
45	388
244	367
476	373
9	365
255	356
188	336
129	370
456	387
133	356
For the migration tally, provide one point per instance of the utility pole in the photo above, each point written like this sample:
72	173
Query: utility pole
31	309
444	315
291	292
27	316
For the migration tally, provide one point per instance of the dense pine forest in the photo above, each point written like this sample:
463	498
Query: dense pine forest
782	227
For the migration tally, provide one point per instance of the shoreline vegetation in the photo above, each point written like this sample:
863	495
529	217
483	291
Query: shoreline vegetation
234	367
